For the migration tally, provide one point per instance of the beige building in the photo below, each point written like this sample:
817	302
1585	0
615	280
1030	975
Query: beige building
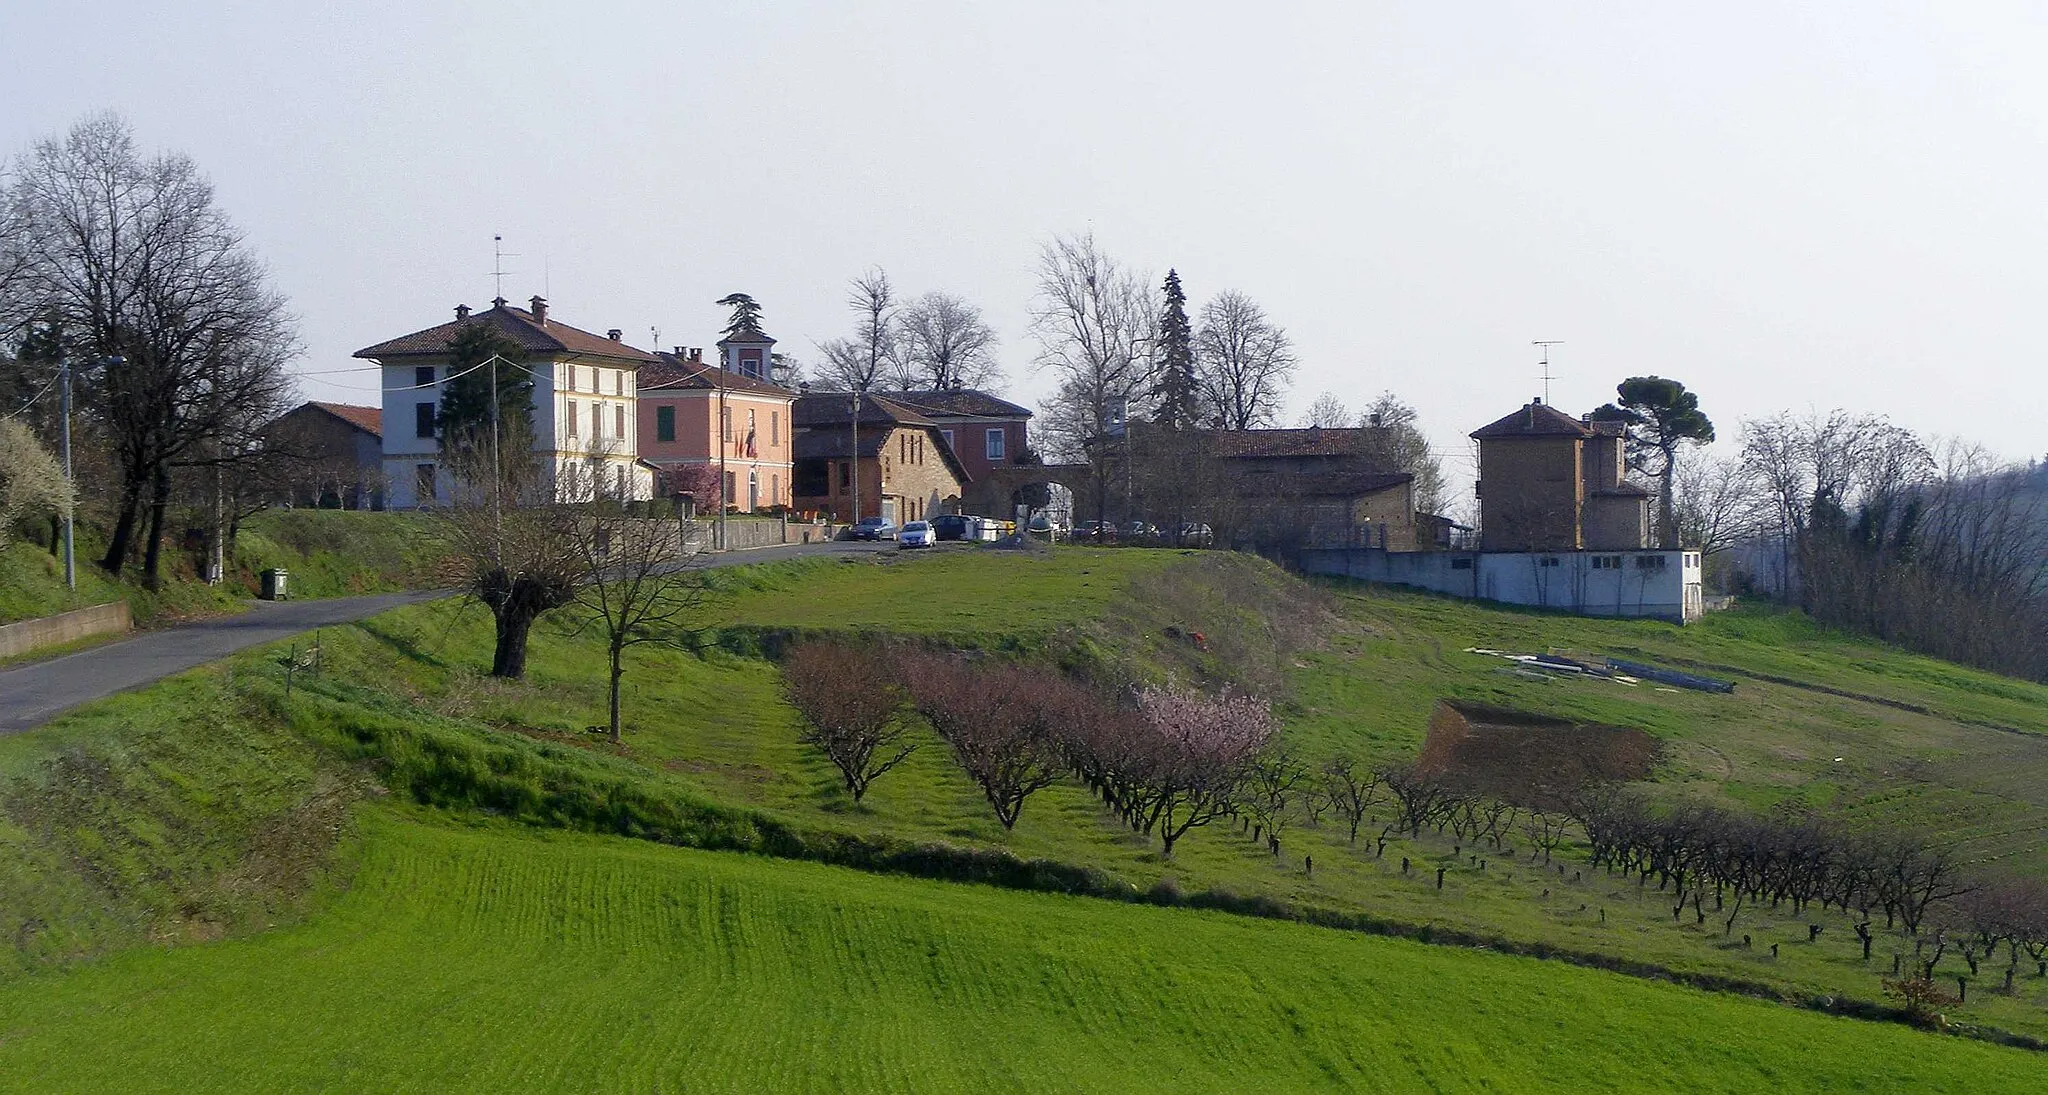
1551	482
903	467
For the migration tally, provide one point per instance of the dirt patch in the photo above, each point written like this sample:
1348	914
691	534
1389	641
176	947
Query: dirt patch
1530	759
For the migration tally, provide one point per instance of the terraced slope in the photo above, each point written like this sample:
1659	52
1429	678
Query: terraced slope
496	959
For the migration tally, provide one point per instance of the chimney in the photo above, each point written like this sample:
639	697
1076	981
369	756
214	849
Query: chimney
612	334
540	309
461	312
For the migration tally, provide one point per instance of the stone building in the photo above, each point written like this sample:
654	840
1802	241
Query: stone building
905	469
1551	482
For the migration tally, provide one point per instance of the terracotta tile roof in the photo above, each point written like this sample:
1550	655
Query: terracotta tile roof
672	373
1313	441
1534	420
536	337
756	337
368	419
832	409
957	403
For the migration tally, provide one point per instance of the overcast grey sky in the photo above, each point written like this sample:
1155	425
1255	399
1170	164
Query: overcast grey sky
1785	206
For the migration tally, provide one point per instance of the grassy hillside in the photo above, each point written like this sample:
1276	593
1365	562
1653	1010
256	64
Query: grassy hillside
489	959
330	553
207	807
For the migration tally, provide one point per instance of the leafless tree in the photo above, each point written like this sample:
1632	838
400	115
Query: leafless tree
1093	319
505	540
129	257
999	721
1393	437
852	710
863	361
640	582
1717	505
1329	413
1243	361
945	344
1352	789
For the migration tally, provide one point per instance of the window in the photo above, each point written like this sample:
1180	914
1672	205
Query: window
593	379
1461	564
423	375
423	420
1606	562
725	423
845	478
731	478
664	423
750	421
995	443
423	484
903	447
570	418
596	420
774	489
1547	560
775	427
618	382
619	420
948	435
1649	562
623	496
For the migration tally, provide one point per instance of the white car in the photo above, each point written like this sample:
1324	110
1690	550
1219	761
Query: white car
916	534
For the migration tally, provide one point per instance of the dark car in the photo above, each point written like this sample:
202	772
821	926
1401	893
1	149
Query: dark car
874	528
949	526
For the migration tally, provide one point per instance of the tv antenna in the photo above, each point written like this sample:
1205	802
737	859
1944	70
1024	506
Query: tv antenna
498	271
1546	344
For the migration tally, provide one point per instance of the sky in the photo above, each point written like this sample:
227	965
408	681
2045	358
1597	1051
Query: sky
1785	206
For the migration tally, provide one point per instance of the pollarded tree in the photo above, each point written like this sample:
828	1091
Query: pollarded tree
852	710
1661	415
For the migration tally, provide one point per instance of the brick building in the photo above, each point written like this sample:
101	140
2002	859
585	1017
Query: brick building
1551	482
715	433
335	452
905	470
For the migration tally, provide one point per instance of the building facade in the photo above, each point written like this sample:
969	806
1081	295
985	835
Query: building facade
585	405
983	431
1549	482
336	453
903	468
715	434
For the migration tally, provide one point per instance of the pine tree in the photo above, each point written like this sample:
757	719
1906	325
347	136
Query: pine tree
464	419
746	314
1179	402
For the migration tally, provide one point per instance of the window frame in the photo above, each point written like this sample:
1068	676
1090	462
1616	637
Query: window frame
423	415
995	442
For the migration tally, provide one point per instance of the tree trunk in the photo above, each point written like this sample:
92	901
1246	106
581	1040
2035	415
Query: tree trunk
509	659
618	670
159	501
1667	523
124	526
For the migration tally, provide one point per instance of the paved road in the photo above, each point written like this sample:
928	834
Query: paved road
33	694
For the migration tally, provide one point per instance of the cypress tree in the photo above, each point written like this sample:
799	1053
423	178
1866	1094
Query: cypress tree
1179	405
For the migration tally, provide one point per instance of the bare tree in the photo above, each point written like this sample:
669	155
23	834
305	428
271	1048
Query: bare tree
640	582
1093	320
1717	504
1329	413
1352	790
506	541
999	722
864	360
1393	437
1243	361
851	708
945	344
162	307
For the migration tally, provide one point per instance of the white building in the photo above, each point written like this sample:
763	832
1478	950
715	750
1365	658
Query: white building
1660	584
585	403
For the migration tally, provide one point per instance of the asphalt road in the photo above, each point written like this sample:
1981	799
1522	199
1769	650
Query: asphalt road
35	693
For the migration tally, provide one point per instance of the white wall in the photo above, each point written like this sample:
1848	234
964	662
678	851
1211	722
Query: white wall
1661	584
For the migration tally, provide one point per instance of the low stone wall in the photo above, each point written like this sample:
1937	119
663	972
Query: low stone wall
29	635
742	533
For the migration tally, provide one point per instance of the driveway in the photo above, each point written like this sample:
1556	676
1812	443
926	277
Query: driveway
33	694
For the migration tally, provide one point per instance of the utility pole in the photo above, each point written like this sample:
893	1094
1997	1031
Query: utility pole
497	469
1546	344
724	444
64	405
853	401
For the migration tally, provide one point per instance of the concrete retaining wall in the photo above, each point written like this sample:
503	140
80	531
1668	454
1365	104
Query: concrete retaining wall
1660	584
28	635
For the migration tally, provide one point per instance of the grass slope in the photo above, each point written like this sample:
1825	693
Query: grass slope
498	960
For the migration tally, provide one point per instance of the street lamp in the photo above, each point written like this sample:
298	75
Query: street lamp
64	411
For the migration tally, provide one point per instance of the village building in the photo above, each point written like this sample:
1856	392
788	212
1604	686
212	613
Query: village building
585	404
901	468
715	433
1560	526
334	453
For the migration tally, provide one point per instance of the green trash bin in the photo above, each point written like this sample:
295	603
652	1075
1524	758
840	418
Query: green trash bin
274	587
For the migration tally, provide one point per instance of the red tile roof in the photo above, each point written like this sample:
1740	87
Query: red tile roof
1313	441
368	419
1534	420
547	337
672	373
957	403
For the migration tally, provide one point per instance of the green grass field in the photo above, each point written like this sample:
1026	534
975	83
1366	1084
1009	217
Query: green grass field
494	959
206	807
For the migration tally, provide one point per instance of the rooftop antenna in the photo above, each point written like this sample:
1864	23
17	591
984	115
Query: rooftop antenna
1546	344
498	271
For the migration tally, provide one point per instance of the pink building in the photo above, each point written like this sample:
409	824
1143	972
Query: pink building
716	433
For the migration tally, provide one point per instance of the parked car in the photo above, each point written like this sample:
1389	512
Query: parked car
1141	532
916	534
1196	535
1096	532
949	526
874	528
